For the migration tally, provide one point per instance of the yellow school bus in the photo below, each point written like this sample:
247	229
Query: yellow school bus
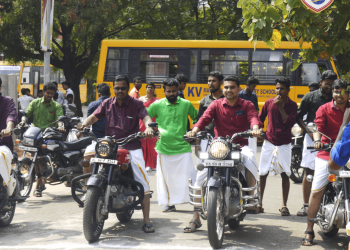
156	60
32	77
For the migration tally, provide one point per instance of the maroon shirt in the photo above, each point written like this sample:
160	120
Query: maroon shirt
329	119
278	132
229	119
7	113
123	120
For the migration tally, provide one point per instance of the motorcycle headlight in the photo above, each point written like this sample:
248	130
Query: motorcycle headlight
296	130
28	142
219	149
104	149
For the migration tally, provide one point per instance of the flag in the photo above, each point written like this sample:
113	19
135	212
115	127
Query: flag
44	22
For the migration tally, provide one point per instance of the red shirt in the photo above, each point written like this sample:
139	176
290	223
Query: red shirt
123	120
135	93
229	119
329	119
278	132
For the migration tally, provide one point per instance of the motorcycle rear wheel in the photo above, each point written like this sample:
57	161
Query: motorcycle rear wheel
327	199
7	217
27	182
215	217
125	217
296	171
93	220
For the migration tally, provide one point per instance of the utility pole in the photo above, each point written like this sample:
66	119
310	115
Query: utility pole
47	69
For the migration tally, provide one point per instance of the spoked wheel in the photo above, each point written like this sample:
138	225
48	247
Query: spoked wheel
6	217
297	172
93	220
26	179
326	200
215	217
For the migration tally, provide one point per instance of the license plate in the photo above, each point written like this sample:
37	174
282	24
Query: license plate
344	174
105	161
215	163
28	148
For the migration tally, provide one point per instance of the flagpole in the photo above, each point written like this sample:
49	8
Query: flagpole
47	69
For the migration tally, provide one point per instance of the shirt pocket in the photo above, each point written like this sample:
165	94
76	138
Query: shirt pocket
51	116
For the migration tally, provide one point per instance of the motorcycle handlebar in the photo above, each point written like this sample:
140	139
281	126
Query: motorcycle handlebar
325	146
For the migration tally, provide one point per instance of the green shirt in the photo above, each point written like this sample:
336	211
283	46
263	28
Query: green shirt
172	124
44	114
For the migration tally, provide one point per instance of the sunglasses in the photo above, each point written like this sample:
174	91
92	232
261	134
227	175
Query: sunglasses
118	89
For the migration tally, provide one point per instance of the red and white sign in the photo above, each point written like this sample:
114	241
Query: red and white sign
317	5
159	56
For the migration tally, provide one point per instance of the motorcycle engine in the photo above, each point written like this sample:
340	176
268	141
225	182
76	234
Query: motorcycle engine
119	199
339	220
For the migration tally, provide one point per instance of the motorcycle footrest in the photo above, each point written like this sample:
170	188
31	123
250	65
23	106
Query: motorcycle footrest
315	220
138	207
21	198
196	204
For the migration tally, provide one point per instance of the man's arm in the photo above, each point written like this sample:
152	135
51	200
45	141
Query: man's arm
340	153
30	109
193	113
252	117
291	117
206	118
89	121
200	109
262	115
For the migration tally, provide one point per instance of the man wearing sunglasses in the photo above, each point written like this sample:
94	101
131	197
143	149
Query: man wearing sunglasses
122	114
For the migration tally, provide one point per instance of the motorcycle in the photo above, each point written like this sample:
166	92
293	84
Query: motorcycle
334	211
111	187
296	171
223	193
10	195
51	157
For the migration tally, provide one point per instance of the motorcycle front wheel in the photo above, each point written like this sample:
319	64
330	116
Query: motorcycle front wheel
296	171
215	217
6	217
25	178
93	220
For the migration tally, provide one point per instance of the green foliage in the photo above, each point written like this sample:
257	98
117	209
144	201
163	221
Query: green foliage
328	32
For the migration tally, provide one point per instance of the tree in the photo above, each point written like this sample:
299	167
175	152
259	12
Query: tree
271	21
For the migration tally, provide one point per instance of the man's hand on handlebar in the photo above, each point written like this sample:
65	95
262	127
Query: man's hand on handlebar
193	132
61	129
149	132
256	132
318	145
6	132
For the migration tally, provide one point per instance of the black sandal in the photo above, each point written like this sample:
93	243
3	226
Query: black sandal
190	229
284	211
37	193
148	228
308	241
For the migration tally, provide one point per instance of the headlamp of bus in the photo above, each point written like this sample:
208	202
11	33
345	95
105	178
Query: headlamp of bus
219	149
296	130
104	149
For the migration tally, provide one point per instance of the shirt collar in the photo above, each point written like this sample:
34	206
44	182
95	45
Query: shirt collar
103	97
43	101
180	91
211	96
238	103
177	101
126	101
335	107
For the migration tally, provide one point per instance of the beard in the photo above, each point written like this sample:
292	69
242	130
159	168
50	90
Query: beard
171	98
213	90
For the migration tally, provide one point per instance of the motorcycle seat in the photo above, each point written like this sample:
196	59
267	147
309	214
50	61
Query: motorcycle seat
79	144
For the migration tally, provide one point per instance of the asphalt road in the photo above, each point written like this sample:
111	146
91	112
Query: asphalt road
54	221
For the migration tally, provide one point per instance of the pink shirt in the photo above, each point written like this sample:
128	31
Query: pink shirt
135	93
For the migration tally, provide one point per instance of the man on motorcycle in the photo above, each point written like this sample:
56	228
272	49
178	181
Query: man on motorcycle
232	115
8	120
276	153
122	114
308	106
45	111
329	118
174	161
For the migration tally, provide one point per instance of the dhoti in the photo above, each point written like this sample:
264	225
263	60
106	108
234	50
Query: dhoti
308	160
275	159
5	164
173	172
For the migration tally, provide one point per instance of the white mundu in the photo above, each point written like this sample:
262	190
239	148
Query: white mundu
249	161
173	173
308	160
252	143
5	168
320	179
275	159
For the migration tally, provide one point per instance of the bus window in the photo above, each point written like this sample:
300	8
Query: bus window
228	62
194	65
117	63
267	65
158	65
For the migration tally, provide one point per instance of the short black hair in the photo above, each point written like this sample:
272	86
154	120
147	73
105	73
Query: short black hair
56	83
232	79
120	78
339	83
217	74
103	89
0	82
24	91
170	82
28	90
66	83
137	78
181	78
55	95
252	80
49	85
328	74
315	85
69	96
283	80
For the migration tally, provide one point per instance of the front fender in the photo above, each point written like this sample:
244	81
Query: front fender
214	182
297	146
97	180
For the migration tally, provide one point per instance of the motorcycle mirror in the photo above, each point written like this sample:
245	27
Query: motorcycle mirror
72	108
153	124
312	127
17	131
63	118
